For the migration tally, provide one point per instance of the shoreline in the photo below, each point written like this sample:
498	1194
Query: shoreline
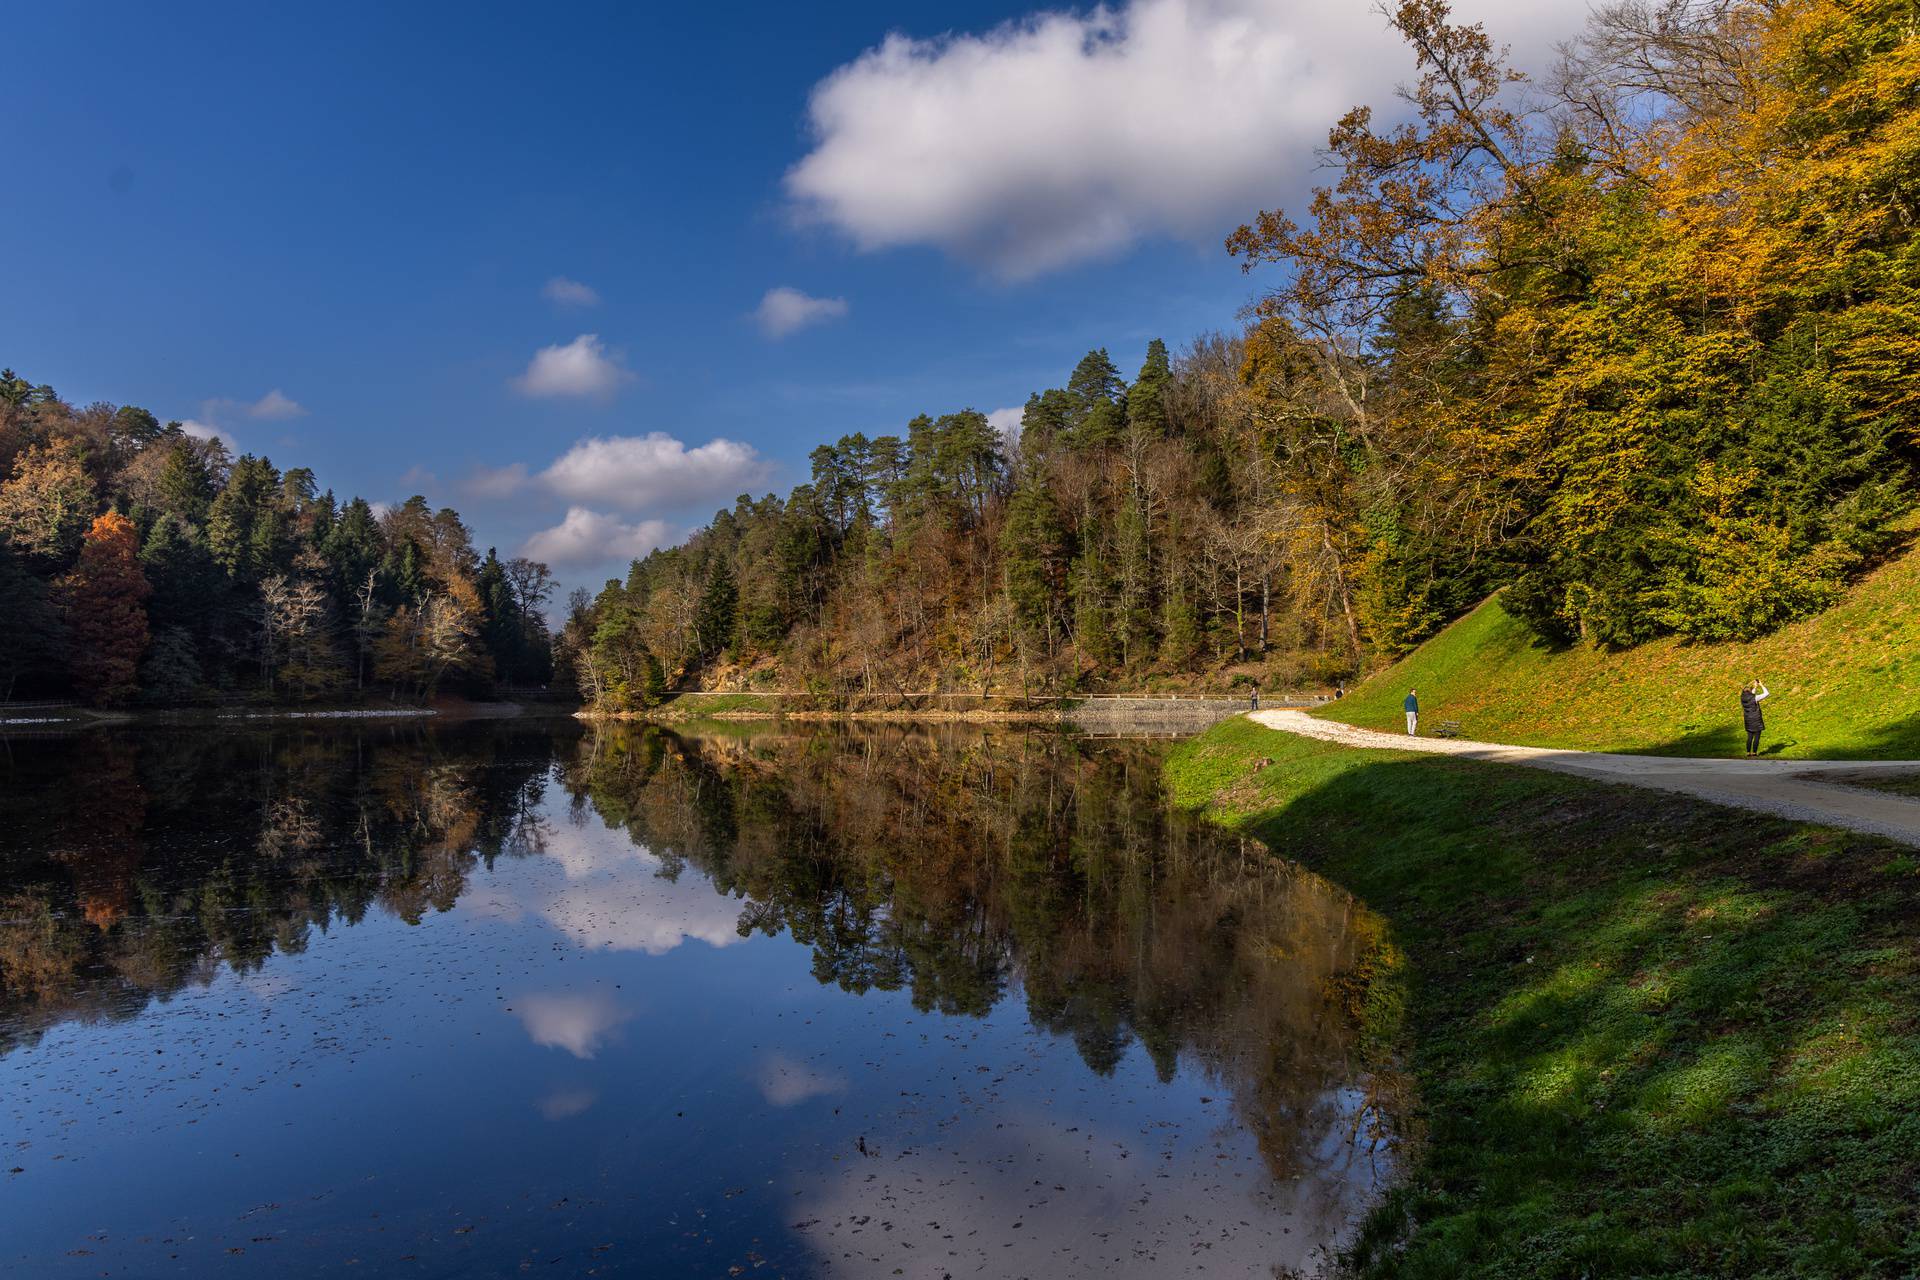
1096	712
1646	1036
655	716
234	717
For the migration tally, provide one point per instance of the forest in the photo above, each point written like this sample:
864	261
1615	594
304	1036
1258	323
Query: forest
1633	337
139	564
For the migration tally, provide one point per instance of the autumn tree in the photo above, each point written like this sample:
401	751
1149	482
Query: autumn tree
103	598
299	646
46	505
258	576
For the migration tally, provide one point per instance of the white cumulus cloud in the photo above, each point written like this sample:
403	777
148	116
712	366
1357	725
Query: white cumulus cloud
1066	136
274	406
496	482
783	311
569	293
582	367
652	470
631	474
1007	423
586	537
207	431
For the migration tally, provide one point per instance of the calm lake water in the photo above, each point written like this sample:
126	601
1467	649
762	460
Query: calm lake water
518	998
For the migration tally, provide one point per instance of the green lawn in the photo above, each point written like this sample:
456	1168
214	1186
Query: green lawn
1845	684
697	705
1648	1036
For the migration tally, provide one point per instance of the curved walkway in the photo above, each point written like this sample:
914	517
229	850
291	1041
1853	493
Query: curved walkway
1803	790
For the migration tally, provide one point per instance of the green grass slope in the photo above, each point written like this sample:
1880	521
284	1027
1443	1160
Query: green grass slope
1846	684
1646	1038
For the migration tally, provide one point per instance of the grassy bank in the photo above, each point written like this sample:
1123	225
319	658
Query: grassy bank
1846	684
1650	1037
681	707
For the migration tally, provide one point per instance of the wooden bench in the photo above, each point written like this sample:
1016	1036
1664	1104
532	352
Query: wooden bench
1449	729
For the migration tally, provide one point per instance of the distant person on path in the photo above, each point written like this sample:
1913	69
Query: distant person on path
1254	701
1412	705
1751	697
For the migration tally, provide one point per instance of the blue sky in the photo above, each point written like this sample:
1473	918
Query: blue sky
334	235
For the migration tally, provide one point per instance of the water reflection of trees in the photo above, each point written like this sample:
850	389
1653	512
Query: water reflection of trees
959	865
135	864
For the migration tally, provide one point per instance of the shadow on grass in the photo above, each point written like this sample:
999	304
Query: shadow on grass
1715	740
1893	740
1899	740
1647	1040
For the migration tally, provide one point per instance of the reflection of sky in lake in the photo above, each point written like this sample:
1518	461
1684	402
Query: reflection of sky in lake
602	890
584	1065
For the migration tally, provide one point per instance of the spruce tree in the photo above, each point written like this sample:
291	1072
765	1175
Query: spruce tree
1033	558
1147	399
713	622
185	484
499	618
1097	396
1092	624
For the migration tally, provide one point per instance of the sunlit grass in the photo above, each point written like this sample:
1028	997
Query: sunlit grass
1846	684
704	705
1649	1037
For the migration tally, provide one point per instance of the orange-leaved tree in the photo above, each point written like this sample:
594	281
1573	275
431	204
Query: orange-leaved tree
105	601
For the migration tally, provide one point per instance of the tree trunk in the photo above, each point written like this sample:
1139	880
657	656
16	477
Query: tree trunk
1340	588
1239	614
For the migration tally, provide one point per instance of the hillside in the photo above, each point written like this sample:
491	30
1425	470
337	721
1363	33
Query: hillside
1846	684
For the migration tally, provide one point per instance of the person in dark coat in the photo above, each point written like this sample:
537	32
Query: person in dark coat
1750	699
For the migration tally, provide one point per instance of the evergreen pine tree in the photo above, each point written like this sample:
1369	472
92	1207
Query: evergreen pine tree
1147	399
186	484
1097	396
1033	557
713	623
1092	626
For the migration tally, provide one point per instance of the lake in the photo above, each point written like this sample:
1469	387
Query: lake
525	997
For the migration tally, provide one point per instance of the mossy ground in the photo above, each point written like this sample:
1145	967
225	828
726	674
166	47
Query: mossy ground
1649	1036
1846	684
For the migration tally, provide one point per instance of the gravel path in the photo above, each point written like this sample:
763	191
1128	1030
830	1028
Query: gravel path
1803	790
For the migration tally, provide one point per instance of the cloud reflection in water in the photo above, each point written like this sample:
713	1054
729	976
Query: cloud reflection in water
613	896
577	1023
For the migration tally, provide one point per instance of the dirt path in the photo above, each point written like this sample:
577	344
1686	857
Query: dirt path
1803	790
